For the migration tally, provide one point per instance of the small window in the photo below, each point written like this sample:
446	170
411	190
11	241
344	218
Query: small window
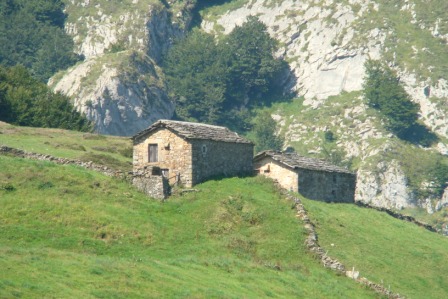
153	153
204	150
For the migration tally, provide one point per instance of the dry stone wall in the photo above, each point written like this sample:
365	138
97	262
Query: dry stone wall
312	244
153	185
6	150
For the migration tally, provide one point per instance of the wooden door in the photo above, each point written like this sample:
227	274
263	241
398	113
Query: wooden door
153	155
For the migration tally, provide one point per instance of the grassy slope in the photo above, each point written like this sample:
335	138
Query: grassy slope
403	256
68	232
115	152
75	233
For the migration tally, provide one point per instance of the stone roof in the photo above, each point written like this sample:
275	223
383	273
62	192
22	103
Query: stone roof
189	130
295	161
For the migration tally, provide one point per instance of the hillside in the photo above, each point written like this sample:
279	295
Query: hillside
77	233
74	233
121	85
114	152
371	242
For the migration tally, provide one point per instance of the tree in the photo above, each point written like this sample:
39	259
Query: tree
219	83
32	34
252	69
383	92
195	78
28	102
439	173
264	131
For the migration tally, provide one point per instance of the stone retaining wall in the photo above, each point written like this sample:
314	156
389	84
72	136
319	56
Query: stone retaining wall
150	181
313	246
6	150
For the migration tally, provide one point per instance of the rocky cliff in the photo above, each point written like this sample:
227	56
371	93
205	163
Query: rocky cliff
326	43
119	85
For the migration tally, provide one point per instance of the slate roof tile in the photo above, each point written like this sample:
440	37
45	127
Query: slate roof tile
295	161
189	130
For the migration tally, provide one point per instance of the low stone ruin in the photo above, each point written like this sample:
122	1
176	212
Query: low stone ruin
150	181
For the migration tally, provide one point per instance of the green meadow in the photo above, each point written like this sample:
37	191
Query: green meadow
67	232
72	233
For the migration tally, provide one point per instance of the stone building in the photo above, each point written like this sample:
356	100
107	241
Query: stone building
313	178
188	153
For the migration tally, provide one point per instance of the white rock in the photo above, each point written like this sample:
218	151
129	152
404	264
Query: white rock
119	101
385	187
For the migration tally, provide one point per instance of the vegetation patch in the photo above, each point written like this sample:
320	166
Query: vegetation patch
219	82
26	101
32	35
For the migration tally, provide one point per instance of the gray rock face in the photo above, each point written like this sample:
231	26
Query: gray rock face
117	101
119	86
384	188
324	49
316	40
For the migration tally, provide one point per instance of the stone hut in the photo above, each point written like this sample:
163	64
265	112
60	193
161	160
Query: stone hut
187	153
312	178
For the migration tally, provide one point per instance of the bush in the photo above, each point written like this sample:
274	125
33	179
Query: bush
264	131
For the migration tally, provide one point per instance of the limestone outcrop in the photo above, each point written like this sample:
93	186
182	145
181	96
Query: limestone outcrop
327	44
119	85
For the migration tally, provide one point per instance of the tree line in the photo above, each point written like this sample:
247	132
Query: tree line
26	101
219	81
32	34
33	47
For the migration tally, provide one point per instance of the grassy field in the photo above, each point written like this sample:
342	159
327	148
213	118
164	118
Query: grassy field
400	255
115	152
72	233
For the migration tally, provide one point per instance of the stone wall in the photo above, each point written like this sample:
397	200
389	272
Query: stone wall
327	186
286	177
312	244
174	154
217	158
6	150
152	184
